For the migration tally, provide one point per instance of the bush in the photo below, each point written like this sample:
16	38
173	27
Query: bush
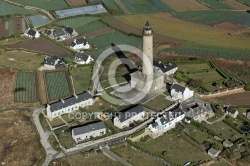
247	87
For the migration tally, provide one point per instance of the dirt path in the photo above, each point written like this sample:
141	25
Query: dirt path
41	88
31	8
217	120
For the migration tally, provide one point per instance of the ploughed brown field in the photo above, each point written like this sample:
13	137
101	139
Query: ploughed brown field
41	45
7	84
185	5
228	26
242	98
17	26
90	35
76	3
20	144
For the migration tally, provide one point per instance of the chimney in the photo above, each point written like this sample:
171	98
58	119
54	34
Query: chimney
62	100
159	62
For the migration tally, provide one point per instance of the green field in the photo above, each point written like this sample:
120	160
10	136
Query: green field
86	159
21	60
44	4
206	77
134	157
193	67
223	130
208	51
93	26
191	33
25	90
57	85
158	103
212	17
81	77
76	22
245	1
9	9
178	150
217	4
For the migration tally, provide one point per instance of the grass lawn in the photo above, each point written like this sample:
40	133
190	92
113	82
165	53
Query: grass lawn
21	60
64	136
223	130
193	67
81	77
135	157
67	119
87	159
178	150
190	32
195	133
206	76
53	142
44	123
56	122
158	103
99	106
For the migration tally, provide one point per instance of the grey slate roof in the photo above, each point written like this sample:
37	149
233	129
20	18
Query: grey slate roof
178	88
130	113
51	60
88	128
213	152
231	110
58	33
81	55
69	101
31	32
47	32
69	30
164	67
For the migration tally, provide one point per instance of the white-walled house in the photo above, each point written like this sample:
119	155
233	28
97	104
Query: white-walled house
180	93
124	119
166	121
51	62
167	69
79	44
82	58
87	131
32	33
69	105
70	32
232	112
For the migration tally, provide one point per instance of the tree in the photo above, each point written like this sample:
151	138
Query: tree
164	153
195	83
247	87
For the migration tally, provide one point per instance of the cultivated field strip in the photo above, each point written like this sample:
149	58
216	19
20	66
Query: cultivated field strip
42	87
25	90
58	85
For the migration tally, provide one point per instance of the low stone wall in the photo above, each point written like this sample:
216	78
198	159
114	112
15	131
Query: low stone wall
221	93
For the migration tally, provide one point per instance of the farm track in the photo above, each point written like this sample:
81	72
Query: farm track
41	87
122	6
31	8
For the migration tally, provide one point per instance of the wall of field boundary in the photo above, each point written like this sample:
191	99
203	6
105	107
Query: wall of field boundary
222	92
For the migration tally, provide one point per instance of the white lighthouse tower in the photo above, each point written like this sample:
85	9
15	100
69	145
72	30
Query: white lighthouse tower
139	79
147	49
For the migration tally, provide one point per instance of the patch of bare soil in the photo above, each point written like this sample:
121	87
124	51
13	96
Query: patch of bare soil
19	140
182	5
7	84
228	26
41	45
77	3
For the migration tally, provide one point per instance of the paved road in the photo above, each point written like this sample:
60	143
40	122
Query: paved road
44	138
114	156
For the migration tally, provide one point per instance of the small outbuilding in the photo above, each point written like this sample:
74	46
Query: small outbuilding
227	143
213	153
232	112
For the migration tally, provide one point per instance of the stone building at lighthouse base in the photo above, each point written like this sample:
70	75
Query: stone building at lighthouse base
140	82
